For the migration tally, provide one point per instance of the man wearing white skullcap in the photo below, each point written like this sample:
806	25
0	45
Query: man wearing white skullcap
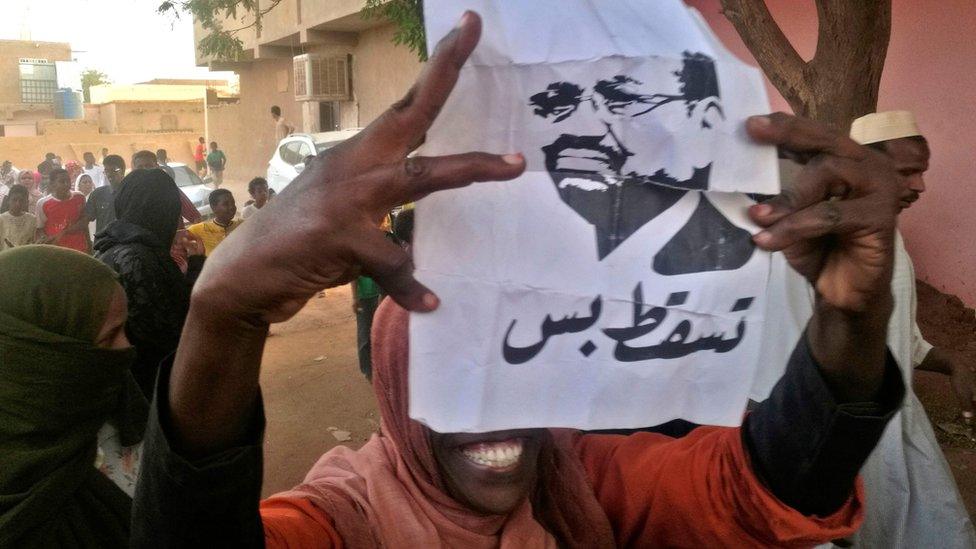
912	500
911	497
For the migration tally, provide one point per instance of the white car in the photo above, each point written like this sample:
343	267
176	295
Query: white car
193	187
289	158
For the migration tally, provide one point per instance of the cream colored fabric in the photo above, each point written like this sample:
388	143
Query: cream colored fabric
884	126
912	500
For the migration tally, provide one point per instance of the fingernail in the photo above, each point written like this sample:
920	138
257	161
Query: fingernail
763	238
431	301
763	210
513	159
465	17
760	121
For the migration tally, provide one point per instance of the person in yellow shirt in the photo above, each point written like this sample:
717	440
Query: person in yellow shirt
214	231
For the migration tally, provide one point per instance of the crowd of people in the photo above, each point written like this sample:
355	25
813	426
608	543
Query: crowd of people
130	405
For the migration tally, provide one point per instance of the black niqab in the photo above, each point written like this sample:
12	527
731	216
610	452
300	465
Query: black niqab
151	200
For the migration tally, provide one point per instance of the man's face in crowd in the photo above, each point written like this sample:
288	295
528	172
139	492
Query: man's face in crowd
144	163
213	146
115	174
911	159
61	185
260	195
161	156
18	204
89	160
26	179
225	209
57	162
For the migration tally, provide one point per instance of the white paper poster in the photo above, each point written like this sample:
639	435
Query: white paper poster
614	284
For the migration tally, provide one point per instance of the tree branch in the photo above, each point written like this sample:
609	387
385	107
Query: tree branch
776	55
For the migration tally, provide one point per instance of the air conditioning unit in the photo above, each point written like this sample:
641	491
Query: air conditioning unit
322	77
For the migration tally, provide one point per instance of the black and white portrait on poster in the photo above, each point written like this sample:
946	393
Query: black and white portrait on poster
614	284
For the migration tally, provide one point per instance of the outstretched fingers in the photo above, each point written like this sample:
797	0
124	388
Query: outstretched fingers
414	178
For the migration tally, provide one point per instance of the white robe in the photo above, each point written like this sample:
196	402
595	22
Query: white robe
911	497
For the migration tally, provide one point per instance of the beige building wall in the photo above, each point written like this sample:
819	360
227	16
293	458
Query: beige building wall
245	131
382	72
152	116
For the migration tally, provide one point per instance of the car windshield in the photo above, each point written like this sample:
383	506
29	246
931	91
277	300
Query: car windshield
185	177
319	147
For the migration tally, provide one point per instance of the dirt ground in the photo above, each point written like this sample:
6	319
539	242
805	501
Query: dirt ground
947	323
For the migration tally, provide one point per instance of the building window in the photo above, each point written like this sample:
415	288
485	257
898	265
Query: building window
38	81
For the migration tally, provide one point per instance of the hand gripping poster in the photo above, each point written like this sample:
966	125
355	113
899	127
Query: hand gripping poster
615	283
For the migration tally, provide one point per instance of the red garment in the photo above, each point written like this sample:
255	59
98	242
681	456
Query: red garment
188	211
654	491
55	215
200	151
74	170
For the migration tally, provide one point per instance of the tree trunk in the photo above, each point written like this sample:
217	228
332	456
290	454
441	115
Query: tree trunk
841	82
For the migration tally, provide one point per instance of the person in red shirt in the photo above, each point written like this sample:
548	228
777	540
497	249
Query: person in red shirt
61	218
200	157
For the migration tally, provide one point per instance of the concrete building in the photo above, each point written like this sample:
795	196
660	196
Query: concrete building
326	67
28	80
159	106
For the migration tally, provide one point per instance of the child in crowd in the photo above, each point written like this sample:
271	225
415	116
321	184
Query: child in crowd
17	225
216	163
61	218
258	189
214	231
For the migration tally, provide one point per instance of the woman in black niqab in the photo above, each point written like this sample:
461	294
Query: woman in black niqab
137	246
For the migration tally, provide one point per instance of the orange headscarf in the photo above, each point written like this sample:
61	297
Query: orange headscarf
390	492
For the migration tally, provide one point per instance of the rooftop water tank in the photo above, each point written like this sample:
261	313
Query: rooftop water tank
68	104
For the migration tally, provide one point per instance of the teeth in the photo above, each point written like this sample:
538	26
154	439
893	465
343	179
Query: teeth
494	454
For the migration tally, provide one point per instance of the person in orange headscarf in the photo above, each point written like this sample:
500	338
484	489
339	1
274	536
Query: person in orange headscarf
786	478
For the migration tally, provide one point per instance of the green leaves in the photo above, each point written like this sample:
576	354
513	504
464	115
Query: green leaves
222	43
89	78
408	16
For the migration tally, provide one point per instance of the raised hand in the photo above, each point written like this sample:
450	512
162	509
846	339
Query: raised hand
836	226
321	231
835	223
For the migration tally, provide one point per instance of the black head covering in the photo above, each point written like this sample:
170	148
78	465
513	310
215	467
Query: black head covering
151	200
